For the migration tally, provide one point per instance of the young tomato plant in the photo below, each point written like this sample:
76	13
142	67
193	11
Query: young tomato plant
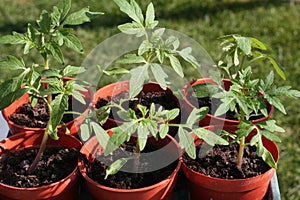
157	48
53	31
247	96
155	122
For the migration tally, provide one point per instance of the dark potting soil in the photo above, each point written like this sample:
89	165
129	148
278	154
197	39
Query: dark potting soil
38	116
159	98
55	164
220	162
125	179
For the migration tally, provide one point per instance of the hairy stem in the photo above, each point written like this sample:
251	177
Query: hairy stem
241	153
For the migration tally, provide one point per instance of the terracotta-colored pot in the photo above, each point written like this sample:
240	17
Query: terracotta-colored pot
209	118
162	190
73	125
118	87
66	188
206	187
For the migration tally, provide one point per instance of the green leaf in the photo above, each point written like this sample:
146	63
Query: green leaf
271	136
54	49
187	142
55	15
80	17
145	46
210	137
138	11
116	71
138	76
116	166
131	29
236	58
44	22
258	44
10	91
176	65
130	9
64	7
163	130
12	63
59	104
142	136
244	43
16	38
71	71
131	59
268	158
271	126
172	114
73	42
142	109
278	68
223	107
85	132
118	137
196	115
101	135
159	75
150	17
276	103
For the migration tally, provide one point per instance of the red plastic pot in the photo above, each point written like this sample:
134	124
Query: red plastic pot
118	87
206	187
64	189
159	191
209	118
73	125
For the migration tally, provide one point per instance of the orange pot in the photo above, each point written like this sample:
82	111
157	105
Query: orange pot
206	187
64	189
209	118
118	87
73	125
159	191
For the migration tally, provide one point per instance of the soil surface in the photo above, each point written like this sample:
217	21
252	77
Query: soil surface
159	98
126	179
220	162
38	116
56	164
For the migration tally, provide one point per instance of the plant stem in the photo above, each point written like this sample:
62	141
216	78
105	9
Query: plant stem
39	154
241	153
42	146
136	159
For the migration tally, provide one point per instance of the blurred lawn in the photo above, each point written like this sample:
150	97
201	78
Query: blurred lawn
275	22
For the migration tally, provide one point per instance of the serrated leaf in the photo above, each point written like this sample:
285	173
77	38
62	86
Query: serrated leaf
12	63
271	136
131	59
159	75
54	49
116	166
79	97
276	103
142	109
131	29
270	125
174	41
187	142
128	9
223	107
16	38
142	132
268	158
163	130
210	137
71	71
64	7
138	76
73	42
196	115
137	10
176	65
10	91
80	17
44	22
172	114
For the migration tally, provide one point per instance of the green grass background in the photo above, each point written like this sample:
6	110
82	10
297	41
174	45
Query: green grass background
276	22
